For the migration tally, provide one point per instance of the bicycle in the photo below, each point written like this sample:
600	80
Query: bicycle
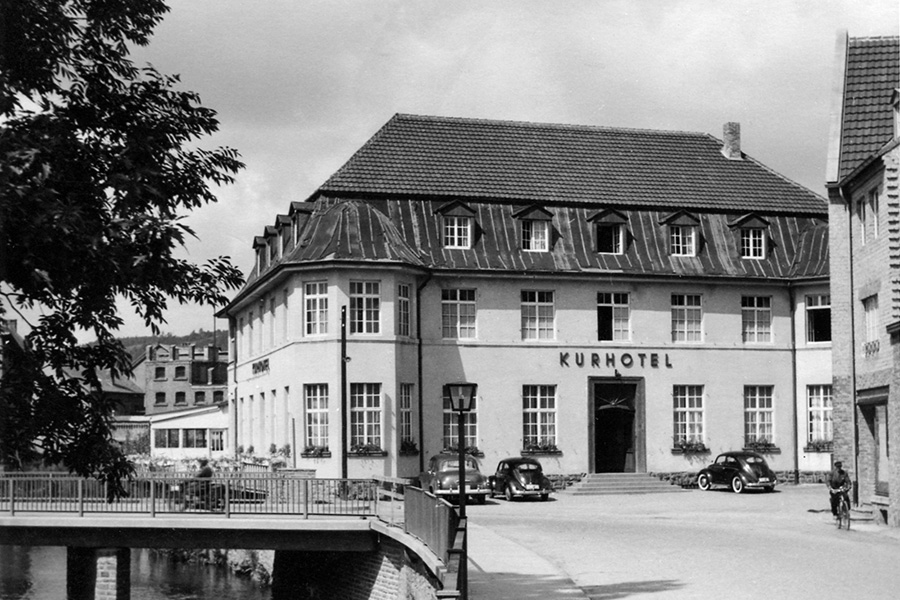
843	509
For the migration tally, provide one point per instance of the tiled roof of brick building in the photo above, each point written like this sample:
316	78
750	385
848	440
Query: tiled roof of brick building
872	74
483	159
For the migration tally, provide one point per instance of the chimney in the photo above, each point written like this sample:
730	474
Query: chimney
731	133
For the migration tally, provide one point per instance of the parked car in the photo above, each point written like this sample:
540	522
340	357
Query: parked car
519	477
442	477
740	470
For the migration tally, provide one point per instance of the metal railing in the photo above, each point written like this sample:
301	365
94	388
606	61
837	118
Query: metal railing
431	519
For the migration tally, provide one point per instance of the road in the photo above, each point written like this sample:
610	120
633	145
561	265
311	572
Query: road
689	545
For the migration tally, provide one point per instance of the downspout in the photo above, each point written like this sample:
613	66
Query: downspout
344	360
419	368
796	427
852	351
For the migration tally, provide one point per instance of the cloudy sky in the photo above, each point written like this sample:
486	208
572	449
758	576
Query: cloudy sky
300	85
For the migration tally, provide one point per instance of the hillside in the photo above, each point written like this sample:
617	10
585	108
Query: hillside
137	345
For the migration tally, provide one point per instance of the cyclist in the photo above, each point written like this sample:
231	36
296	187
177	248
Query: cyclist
838	485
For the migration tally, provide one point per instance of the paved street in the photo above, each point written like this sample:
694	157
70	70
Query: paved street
679	545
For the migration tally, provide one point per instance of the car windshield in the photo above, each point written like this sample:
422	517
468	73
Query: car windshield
451	465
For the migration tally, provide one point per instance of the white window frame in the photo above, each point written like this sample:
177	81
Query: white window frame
871	325
451	425
403	309
687	318
365	307
617	239
618	306
535	235
365	415
819	406
683	240
539	415
756	319
688	413
872	199
315	307
815	304
315	404
759	414
458	314
753	243
404	425
538	315
216	440
457	232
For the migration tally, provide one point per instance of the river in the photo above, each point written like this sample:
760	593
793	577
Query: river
39	573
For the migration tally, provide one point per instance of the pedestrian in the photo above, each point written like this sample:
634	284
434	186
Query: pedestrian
204	485
838	485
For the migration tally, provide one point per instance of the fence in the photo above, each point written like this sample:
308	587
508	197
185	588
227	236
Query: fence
431	519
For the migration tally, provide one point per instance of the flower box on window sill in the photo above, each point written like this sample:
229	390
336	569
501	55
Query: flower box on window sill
541	450
762	446
687	448
470	450
408	448
819	446
316	452
367	450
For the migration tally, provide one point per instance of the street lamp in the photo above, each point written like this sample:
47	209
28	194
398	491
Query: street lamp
462	400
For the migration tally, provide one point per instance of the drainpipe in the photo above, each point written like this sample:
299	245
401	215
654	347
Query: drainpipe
852	351
793	297
419	367
344	360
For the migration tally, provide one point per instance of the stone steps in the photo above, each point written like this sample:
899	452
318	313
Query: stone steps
598	484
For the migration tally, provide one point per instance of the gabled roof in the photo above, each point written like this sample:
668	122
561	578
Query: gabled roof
867	78
484	159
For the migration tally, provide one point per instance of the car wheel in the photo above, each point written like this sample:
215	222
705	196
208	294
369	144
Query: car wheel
480	499
509	493
737	484
703	482
544	497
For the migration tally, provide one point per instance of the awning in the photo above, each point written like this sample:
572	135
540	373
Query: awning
872	396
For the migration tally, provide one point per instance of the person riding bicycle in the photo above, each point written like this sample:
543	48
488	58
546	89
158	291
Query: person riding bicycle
838	486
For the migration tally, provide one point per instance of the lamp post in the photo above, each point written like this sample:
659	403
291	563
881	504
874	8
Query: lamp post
462	399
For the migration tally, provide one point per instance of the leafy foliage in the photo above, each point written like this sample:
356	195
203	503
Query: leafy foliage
98	167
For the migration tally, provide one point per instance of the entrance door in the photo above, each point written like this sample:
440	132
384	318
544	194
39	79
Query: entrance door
614	421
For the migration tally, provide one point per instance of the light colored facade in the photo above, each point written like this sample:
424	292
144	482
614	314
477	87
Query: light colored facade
198	432
642	334
174	377
862	180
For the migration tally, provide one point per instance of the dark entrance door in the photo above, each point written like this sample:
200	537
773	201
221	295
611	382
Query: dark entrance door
614	427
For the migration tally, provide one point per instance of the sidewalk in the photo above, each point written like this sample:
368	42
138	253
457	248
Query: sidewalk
500	569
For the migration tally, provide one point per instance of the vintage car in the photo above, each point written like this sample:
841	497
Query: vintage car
739	470
441	477
519	477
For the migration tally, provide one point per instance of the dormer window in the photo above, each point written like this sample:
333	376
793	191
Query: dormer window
259	243
610	227
683	234
534	228
753	231
458	221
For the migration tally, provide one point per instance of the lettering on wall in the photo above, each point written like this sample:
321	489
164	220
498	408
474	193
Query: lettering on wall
260	366
612	360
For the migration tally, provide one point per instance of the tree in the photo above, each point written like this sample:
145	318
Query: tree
99	167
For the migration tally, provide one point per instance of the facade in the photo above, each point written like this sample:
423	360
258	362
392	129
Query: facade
862	180
625	300
196	432
175	377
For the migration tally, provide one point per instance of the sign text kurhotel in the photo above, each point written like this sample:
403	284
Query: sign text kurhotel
613	360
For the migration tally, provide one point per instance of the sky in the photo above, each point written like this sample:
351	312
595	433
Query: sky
299	86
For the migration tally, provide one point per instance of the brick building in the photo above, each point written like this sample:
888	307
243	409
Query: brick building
864	217
626	300
175	377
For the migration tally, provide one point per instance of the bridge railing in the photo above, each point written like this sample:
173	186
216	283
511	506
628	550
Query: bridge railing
232	494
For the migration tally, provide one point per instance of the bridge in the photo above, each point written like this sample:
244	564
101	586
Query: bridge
378	525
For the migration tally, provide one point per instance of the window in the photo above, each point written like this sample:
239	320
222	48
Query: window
159	373
180	398
316	415
537	315
539	415
195	438
756	319
818	318
457	232
262	324
273	250
285	316
458	314
199	397
687	317
165	438
403	309
873	211
405	412
682	240
819	414
217	440
365	307
250	336
316	308
271	340
758	414
753	243
535	235
870	324
688	403
365	414
160	398
610	238
180	372
613	317
451	425
218	396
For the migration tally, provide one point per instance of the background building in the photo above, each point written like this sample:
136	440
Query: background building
626	300
175	377
862	179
